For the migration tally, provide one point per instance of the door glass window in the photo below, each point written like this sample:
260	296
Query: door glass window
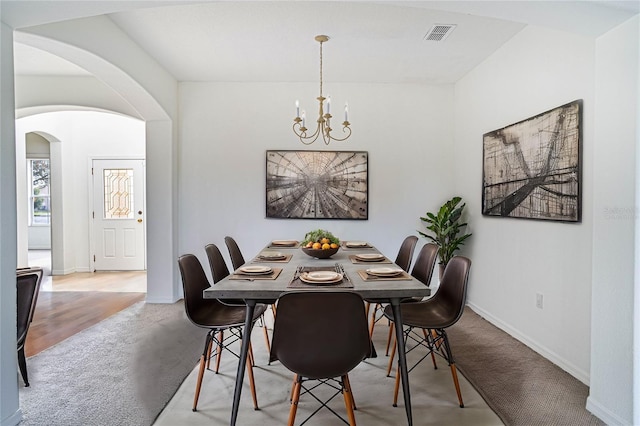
39	192
118	193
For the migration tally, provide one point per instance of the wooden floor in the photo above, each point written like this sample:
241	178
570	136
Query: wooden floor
74	302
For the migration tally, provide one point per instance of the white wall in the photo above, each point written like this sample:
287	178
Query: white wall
615	215
226	129
513	259
10	413
81	136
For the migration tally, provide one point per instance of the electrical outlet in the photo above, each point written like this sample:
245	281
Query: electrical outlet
539	300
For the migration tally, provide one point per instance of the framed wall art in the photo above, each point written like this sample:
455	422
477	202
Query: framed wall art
532	169
317	185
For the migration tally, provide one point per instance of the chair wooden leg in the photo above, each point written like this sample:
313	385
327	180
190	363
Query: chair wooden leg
266	336
348	384
273	310
22	364
294	402
348	400
293	385
199	382
219	349
397	387
454	374
367	305
252	384
209	349
250	355
373	319
392	356
389	335
433	356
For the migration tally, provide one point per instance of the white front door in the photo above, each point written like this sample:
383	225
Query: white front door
118	215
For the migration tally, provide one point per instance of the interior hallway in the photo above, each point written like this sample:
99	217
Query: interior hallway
71	303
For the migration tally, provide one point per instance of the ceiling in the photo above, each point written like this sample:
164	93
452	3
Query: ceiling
273	41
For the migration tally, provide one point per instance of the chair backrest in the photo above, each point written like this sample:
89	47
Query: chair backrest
405	254
218	266
27	287
194	282
320	334
425	263
452	293
234	252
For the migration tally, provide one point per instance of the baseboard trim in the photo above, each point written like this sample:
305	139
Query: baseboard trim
13	419
604	414
567	366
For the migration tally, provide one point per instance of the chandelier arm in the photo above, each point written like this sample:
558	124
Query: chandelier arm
343	131
302	135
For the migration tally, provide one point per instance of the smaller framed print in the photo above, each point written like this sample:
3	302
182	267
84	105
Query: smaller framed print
532	169
317	185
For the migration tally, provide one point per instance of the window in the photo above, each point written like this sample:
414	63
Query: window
39	192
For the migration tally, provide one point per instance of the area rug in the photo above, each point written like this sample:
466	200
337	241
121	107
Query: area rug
122	371
521	386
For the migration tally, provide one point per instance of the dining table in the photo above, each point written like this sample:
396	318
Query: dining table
277	269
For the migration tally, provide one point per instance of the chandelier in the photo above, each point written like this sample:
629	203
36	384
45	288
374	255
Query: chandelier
324	119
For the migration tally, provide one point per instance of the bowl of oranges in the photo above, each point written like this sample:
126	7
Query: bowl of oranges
320	244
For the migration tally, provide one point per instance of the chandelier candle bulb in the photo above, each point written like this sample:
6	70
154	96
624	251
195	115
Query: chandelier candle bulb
297	109
328	104
304	116
346	112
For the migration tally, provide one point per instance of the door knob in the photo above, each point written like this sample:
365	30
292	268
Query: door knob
139	220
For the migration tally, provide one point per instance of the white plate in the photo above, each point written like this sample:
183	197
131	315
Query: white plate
369	257
357	244
321	277
255	269
284	243
385	272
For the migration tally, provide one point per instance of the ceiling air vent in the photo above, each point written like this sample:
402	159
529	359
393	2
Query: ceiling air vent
439	32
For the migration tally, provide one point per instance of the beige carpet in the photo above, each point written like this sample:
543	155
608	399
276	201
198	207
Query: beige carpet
433	396
520	385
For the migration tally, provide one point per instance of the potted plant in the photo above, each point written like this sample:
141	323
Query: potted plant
446	227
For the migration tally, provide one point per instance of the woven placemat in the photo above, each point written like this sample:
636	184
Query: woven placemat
286	259
366	277
252	277
354	259
280	246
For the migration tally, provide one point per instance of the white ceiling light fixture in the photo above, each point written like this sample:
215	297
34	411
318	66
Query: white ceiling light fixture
439	32
324	119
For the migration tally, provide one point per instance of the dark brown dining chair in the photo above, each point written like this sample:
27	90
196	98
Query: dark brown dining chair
405	253
215	316
403	260
422	271
27	287
433	316
322	345
237	260
219	271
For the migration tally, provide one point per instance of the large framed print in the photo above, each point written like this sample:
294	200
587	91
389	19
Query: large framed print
533	169
317	185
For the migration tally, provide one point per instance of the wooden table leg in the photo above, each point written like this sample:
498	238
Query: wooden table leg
246	338
402	358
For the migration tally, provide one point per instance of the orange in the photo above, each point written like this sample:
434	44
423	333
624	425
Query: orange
325	241
326	246
317	246
334	245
